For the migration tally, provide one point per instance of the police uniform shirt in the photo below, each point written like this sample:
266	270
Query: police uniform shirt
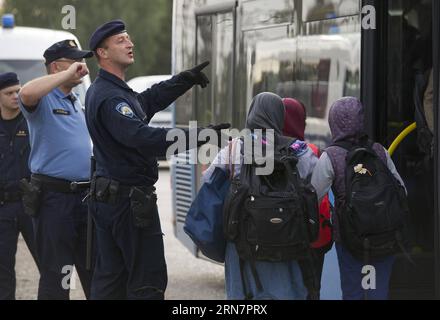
60	143
125	147
14	152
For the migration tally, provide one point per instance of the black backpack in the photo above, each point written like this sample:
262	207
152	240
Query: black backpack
272	218
374	218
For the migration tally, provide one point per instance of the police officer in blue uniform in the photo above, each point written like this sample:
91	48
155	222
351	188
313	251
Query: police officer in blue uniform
60	154
14	154
130	261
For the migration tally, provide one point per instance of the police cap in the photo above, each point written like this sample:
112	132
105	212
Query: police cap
8	79
65	49
105	31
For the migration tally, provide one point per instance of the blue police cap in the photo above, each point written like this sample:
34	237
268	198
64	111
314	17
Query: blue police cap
65	49
105	31
8	79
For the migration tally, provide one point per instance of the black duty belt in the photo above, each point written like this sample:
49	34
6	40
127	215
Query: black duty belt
109	190
56	185
6	197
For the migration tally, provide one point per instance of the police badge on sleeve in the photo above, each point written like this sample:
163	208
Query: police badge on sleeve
124	109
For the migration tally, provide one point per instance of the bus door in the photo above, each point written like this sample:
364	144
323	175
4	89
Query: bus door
436	116
215	42
404	47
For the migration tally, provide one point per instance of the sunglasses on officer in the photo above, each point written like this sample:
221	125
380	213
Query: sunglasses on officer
71	61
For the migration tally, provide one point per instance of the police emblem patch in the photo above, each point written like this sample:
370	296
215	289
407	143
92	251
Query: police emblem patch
125	110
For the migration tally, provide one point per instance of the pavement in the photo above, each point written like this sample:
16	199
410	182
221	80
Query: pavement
189	278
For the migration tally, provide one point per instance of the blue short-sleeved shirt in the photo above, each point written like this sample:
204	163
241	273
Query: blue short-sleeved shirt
60	142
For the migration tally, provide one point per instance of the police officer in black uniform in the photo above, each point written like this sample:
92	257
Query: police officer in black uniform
130	254
14	154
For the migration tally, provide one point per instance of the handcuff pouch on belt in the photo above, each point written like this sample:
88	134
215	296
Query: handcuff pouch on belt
143	206
106	190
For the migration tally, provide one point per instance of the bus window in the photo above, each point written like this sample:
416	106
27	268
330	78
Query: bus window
270	61
265	12
215	44
223	95
408	53
328	71
184	56
352	86
328	9
204	52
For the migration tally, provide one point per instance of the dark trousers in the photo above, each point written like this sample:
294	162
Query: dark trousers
61	232
352	276
130	260
12	221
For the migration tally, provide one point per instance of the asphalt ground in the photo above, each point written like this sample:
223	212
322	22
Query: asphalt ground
189	278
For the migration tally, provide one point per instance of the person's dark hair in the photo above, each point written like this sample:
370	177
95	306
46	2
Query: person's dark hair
102	45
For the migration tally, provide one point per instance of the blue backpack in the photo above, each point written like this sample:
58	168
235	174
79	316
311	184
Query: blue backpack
204	221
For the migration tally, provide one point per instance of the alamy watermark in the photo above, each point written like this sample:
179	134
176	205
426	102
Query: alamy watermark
69	20
68	282
257	147
368	17
369	278
368	14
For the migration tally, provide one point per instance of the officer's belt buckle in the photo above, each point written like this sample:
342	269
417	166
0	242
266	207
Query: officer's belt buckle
75	185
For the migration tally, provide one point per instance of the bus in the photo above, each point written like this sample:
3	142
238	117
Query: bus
22	49
318	51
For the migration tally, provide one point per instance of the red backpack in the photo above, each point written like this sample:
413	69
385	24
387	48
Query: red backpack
325	239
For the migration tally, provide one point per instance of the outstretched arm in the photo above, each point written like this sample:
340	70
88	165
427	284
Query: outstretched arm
161	95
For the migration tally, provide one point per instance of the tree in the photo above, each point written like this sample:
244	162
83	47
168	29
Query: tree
148	23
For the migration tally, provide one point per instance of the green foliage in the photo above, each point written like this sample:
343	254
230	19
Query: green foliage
148	23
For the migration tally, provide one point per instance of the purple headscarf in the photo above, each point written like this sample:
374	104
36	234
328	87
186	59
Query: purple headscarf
346	119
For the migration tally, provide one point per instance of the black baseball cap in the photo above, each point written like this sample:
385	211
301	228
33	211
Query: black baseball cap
65	49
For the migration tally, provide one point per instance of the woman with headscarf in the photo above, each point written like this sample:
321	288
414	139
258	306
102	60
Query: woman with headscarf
346	120
294	126
279	280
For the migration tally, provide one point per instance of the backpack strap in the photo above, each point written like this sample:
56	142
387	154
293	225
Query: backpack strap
315	149
231	165
364	142
309	273
399	240
255	275
247	293
346	145
231	154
